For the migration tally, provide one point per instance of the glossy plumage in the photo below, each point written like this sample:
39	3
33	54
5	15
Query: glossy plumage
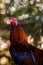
21	51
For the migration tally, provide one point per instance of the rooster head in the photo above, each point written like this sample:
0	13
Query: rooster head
12	21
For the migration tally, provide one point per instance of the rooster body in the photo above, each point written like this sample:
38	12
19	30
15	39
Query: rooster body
21	51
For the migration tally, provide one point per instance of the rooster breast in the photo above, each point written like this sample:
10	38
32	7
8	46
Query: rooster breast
21	57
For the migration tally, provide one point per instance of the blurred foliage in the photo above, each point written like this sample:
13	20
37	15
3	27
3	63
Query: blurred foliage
32	25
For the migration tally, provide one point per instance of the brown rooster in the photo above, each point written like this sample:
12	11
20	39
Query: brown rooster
21	51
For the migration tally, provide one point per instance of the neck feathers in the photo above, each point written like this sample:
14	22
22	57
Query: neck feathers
17	34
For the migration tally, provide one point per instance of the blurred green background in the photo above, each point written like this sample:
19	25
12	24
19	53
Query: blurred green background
29	13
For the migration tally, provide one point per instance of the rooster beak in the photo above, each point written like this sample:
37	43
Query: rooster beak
8	21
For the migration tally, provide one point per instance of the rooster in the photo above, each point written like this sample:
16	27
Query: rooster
21	51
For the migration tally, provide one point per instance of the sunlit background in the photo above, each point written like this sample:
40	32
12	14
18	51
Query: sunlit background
30	15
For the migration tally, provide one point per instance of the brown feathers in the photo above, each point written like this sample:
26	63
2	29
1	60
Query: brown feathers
17	35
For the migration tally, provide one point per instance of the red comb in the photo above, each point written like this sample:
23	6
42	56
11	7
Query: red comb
13	21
